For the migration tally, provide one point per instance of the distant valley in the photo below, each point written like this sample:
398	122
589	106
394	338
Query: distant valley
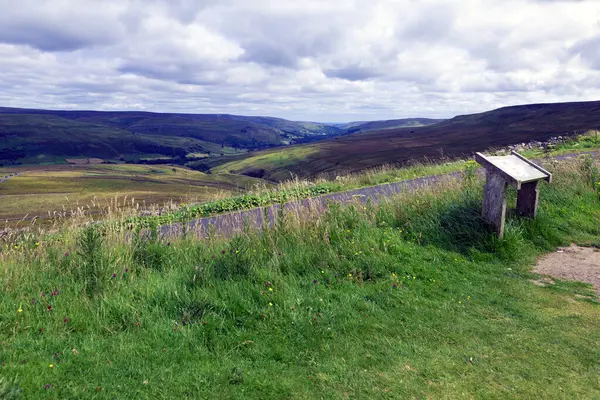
29	136
272	149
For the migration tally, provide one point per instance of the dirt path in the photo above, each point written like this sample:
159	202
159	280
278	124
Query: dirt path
572	263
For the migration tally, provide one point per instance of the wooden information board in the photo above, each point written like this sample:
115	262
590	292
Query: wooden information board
515	170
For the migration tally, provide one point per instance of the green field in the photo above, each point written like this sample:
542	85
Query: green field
408	299
43	190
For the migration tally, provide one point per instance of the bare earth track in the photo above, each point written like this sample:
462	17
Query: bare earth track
573	263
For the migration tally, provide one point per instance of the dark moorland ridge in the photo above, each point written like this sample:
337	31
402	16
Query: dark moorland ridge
28	135
459	136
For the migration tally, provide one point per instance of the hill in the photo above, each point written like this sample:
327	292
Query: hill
43	135
355	127
458	136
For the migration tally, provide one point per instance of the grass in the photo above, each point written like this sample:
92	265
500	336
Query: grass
408	299
50	190
276	161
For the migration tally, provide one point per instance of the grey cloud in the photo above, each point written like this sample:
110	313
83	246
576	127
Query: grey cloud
180	73
589	50
272	54
54	27
352	73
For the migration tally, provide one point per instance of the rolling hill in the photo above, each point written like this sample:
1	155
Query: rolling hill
28	135
459	136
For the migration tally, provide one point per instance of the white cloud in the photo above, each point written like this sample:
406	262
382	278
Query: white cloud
316	59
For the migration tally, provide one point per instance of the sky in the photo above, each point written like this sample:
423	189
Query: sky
317	60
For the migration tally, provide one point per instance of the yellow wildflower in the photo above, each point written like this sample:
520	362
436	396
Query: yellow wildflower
51	365
20	309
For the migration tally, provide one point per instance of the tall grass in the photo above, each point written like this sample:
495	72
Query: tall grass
410	298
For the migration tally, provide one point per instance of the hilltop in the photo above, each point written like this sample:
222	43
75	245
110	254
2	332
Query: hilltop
459	136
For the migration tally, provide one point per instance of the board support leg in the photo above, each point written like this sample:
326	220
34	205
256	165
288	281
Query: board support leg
527	199
494	202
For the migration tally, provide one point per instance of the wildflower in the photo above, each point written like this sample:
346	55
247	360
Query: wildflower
49	307
75	352
270	304
222	251
67	254
127	270
66	320
168	244
315	281
47	386
268	283
395	284
322	271
270	289
51	365
20	310
43	294
349	275
114	275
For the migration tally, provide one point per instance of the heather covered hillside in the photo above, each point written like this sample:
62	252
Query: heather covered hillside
456	137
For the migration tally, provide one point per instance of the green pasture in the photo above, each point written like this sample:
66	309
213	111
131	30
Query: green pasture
412	298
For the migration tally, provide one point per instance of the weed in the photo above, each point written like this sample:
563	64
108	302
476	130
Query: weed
89	250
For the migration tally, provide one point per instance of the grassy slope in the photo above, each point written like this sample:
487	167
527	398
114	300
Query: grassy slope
408	300
456	137
39	190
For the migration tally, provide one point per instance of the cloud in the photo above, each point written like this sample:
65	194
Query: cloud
312	60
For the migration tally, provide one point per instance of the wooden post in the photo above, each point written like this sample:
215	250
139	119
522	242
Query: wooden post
494	201
527	199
